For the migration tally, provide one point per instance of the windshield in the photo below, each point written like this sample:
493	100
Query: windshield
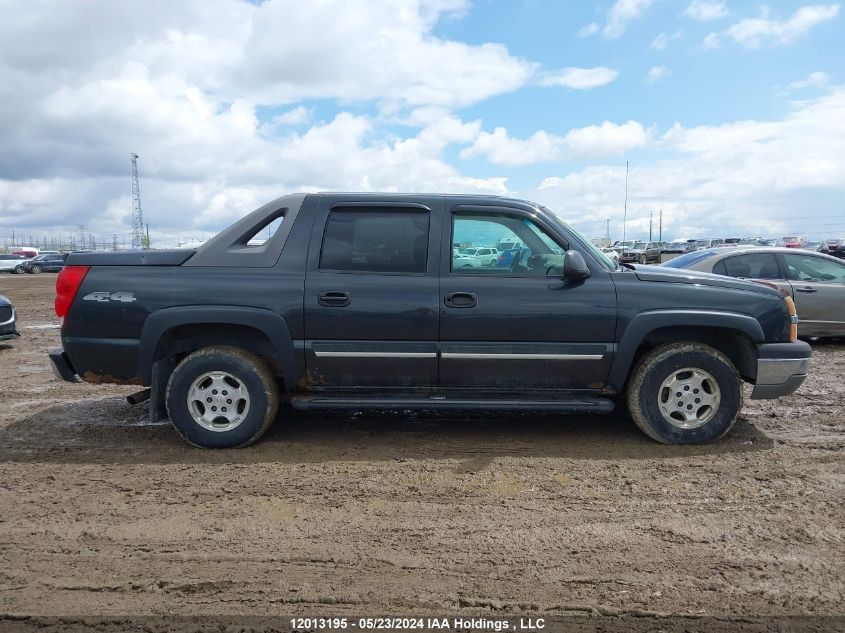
583	241
468	251
39	258
638	245
595	250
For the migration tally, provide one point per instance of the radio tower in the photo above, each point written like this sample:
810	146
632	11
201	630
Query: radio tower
137	217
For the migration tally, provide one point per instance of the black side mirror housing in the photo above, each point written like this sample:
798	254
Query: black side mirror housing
574	266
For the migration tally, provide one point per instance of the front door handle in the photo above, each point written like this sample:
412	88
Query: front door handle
460	300
333	299
806	289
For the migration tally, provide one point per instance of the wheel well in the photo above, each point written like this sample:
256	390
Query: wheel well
736	345
181	340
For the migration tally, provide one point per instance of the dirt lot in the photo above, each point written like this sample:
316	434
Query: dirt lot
103	514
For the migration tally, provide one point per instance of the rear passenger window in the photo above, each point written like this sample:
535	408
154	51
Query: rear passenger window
381	241
751	266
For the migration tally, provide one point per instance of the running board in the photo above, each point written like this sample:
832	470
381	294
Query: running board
580	405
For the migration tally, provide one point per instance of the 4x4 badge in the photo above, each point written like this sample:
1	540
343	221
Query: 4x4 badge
126	297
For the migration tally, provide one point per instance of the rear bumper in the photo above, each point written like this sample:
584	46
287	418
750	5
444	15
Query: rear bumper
60	364
781	369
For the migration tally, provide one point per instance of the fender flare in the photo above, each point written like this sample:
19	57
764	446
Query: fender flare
645	323
271	324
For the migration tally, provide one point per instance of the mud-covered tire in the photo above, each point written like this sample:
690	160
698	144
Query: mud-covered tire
19	270
247	368
645	386
35	270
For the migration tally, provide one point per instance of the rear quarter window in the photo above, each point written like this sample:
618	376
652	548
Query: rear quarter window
688	259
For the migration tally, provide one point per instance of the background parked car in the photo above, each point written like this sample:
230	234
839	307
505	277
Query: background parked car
642	253
815	282
830	246
638	253
611	253
7	320
620	246
485	254
793	241
464	261
26	251
44	263
11	263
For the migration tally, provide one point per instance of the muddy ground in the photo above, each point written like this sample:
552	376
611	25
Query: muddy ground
102	514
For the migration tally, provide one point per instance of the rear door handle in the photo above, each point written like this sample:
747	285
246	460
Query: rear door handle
806	289
460	300
333	299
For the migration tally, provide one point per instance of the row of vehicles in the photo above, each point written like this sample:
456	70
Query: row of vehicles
648	252
44	262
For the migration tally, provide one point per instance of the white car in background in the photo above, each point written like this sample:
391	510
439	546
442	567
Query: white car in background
611	253
464	261
10	263
486	255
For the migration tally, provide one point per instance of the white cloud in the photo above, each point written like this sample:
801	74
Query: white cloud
607	139
297	116
660	42
579	78
622	12
593	141
501	149
757	32
706	10
747	177
816	79
588	29
711	41
655	73
183	84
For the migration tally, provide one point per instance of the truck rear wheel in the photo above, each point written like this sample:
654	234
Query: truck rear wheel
222	397
684	393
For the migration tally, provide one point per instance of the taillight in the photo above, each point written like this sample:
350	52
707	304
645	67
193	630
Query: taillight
793	319
67	283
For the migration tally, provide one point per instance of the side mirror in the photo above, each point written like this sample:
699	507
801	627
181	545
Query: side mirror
574	266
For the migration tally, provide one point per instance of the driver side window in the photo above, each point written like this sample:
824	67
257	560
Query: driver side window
523	247
810	268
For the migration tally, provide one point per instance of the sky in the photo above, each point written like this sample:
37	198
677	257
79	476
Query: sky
730	115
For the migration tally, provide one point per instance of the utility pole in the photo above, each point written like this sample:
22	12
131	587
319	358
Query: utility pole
650	223
625	212
137	215
607	231
661	225
81	236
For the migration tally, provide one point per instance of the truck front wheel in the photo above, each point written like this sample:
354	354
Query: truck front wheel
222	397
684	393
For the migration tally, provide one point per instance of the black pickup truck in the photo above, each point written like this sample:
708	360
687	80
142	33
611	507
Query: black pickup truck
351	301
